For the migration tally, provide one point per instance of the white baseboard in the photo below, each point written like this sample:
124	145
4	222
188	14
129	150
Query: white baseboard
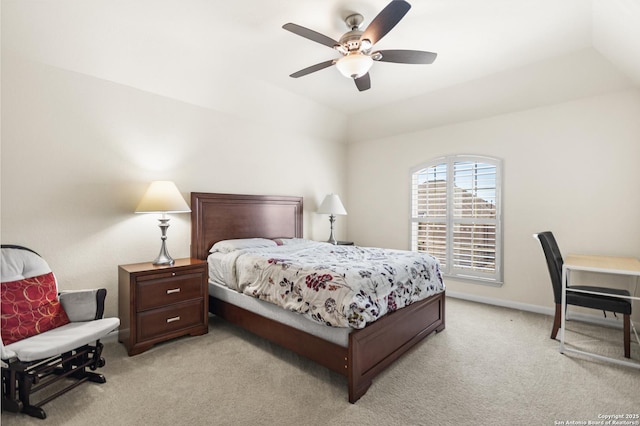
609	321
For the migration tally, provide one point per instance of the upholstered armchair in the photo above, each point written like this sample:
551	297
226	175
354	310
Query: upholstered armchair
46	336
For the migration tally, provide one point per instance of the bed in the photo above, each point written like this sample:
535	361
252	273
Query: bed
358	354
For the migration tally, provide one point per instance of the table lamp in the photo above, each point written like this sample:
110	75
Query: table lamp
163	197
332	206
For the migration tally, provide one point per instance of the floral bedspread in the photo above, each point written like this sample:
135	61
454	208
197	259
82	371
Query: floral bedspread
341	286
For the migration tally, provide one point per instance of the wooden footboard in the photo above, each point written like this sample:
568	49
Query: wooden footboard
378	345
371	349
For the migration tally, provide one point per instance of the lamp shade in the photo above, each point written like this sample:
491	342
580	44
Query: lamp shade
354	65
332	205
162	197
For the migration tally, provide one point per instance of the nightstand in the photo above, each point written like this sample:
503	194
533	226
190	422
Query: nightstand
158	303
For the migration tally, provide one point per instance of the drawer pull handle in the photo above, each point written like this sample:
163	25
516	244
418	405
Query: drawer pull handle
173	319
173	290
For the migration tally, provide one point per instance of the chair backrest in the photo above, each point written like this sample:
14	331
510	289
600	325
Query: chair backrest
554	262
30	303
20	262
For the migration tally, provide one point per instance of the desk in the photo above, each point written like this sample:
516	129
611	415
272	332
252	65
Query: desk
602	264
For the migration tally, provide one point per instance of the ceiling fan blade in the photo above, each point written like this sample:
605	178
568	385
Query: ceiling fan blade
363	83
385	21
313	68
405	56
310	34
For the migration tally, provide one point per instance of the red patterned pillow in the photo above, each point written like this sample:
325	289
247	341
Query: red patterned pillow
30	306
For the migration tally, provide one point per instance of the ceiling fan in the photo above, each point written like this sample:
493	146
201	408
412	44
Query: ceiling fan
356	45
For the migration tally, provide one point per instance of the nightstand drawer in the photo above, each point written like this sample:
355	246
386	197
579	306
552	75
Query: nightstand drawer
171	318
168	290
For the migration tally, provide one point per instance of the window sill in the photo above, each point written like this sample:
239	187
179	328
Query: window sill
474	280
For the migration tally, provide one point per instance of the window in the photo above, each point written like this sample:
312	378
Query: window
455	215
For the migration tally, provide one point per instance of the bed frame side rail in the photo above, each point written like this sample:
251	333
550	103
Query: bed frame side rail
327	354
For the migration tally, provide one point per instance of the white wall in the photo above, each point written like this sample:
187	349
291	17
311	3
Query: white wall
78	153
573	168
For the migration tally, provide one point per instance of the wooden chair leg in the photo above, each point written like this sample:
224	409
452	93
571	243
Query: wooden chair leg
627	336
556	321
10	400
25	382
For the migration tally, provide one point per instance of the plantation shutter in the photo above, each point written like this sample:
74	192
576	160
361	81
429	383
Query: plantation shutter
456	215
429	230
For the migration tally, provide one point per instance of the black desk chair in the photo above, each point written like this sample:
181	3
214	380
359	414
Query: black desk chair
604	303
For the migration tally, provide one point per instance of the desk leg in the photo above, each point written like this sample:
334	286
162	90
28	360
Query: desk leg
563	307
633	327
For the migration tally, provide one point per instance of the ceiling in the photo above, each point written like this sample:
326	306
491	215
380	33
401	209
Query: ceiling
190	45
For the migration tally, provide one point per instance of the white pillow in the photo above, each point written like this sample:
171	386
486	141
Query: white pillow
227	246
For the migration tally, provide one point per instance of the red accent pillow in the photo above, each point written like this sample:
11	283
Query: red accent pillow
30	306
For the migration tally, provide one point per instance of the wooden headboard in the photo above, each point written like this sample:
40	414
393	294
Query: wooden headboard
216	217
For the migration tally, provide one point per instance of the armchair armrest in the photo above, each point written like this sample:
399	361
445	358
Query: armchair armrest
83	305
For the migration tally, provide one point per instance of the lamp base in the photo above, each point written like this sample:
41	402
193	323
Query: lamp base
332	239
163	257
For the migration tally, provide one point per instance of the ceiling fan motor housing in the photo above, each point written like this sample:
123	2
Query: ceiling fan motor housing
351	41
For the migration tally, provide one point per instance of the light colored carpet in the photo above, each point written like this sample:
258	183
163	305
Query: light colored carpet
490	366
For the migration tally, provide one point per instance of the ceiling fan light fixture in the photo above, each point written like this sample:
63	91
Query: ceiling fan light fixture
354	65
365	45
